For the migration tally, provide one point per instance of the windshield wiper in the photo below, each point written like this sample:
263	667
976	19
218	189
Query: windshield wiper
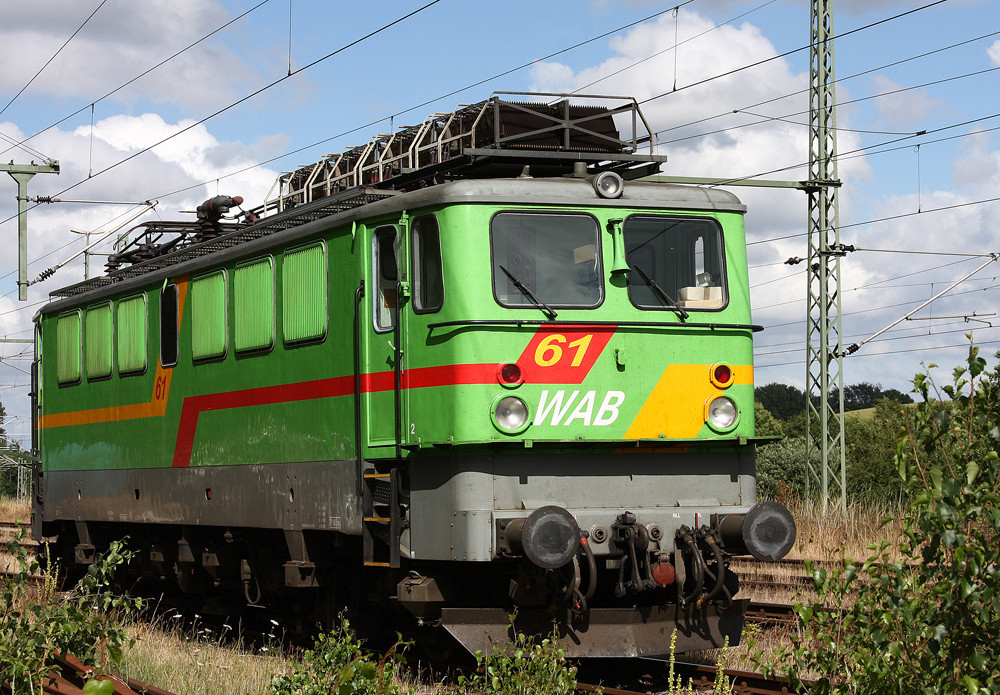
671	304
546	309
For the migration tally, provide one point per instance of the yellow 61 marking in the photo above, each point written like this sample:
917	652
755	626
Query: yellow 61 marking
550	351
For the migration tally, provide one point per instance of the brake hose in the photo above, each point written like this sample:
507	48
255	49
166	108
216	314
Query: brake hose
717	552
591	569
699	568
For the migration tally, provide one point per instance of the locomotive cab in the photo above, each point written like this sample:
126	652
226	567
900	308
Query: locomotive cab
575	407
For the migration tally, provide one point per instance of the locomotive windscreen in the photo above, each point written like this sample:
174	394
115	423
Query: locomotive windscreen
553	256
681	257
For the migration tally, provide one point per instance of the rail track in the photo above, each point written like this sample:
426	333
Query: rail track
643	676
69	675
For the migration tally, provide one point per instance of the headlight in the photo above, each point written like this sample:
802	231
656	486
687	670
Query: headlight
722	413
510	414
608	184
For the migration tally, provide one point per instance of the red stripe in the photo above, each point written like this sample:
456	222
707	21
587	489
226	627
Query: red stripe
424	377
264	395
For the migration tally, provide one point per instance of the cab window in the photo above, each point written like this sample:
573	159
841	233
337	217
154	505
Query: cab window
386	271
428	282
549	259
674	261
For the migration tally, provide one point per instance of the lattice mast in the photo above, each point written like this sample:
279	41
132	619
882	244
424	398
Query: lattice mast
824	353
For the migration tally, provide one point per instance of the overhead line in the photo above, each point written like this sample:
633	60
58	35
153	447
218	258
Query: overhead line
923	333
864	311
784	119
855	152
884	340
886	219
791	52
883	354
245	98
141	75
66	43
421	105
838	81
675	46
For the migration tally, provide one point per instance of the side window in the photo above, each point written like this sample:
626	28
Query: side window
133	335
209	316
97	341
304	294
253	305
68	348
428	281
168	326
386	271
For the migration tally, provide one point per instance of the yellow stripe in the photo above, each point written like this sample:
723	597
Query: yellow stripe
155	407
675	409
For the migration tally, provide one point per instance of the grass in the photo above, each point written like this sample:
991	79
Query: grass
821	536
195	661
12	509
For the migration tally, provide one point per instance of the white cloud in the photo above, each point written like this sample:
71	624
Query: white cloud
994	53
901	109
102	56
978	167
178	165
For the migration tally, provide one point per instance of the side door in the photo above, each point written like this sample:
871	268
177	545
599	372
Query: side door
383	363
425	298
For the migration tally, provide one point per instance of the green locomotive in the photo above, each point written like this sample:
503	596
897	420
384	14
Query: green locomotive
471	367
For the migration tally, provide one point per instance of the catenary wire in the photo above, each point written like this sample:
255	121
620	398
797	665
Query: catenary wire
413	108
142	74
41	69
792	51
837	81
786	118
674	47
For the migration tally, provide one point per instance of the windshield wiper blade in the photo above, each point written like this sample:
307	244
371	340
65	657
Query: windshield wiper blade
671	304
546	309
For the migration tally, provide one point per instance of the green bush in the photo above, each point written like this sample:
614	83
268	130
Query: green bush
37	623
870	453
526	667
781	468
337	665
929	623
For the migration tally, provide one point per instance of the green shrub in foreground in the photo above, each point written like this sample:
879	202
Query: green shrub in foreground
36	623
526	667
336	665
931	622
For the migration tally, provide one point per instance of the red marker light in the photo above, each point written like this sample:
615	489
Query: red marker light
510	374
722	375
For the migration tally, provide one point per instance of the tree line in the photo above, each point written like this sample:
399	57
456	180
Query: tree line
870	440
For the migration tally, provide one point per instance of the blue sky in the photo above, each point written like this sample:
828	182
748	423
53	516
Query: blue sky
744	124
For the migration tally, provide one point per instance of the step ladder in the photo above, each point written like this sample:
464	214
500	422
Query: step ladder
382	518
